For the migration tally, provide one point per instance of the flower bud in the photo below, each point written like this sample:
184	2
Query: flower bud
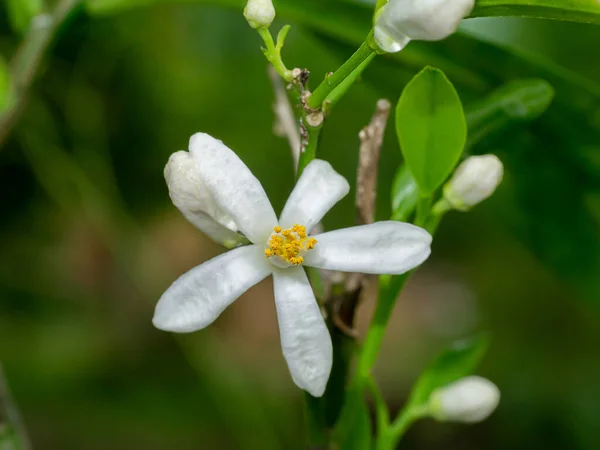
259	13
191	196
400	21
468	400
475	179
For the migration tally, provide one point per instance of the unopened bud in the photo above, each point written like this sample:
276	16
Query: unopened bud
259	13
401	21
475	179
469	400
191	196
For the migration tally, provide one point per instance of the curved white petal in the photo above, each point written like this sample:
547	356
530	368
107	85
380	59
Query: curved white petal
305	339
197	298
318	189
382	247
234	188
191	196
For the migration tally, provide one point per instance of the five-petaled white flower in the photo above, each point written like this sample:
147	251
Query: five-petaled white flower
215	190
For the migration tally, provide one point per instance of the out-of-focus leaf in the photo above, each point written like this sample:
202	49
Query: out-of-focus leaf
20	13
455	362
405	194
516	101
587	11
431	128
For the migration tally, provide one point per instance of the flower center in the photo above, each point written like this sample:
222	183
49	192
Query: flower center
286	247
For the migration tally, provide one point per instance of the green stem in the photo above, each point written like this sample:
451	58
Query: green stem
309	151
28	59
438	211
380	4
364	52
345	85
273	52
390	287
381	410
423	210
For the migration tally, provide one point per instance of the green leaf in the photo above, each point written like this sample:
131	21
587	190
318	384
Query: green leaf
405	194
457	361
587	11
20	13
516	101
431	128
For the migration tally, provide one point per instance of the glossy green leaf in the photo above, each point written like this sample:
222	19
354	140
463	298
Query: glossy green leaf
587	11
457	361
431	128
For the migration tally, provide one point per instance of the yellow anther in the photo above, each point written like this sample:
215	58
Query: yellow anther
289	244
310	244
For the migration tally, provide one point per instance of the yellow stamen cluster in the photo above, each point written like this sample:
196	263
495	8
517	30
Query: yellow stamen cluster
289	244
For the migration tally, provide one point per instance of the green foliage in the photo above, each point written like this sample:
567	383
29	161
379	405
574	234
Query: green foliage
431	128
20	13
587	11
457	361
516	101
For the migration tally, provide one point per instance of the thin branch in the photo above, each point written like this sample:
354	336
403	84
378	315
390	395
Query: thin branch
10	418
286	124
27	60
371	138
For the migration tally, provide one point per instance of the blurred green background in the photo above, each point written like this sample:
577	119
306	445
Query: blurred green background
89	238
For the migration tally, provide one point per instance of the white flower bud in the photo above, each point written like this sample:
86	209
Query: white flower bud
401	21
469	400
259	13
475	179
190	195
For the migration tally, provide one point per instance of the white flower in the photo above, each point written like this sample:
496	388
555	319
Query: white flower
213	184
469	400
259	13
475	179
400	21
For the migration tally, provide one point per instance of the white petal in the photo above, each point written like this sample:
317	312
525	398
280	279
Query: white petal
197	298
382	247
234	188
305	339
191	196
318	189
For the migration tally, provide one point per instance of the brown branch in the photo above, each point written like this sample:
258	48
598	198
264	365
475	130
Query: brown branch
286	124
371	138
